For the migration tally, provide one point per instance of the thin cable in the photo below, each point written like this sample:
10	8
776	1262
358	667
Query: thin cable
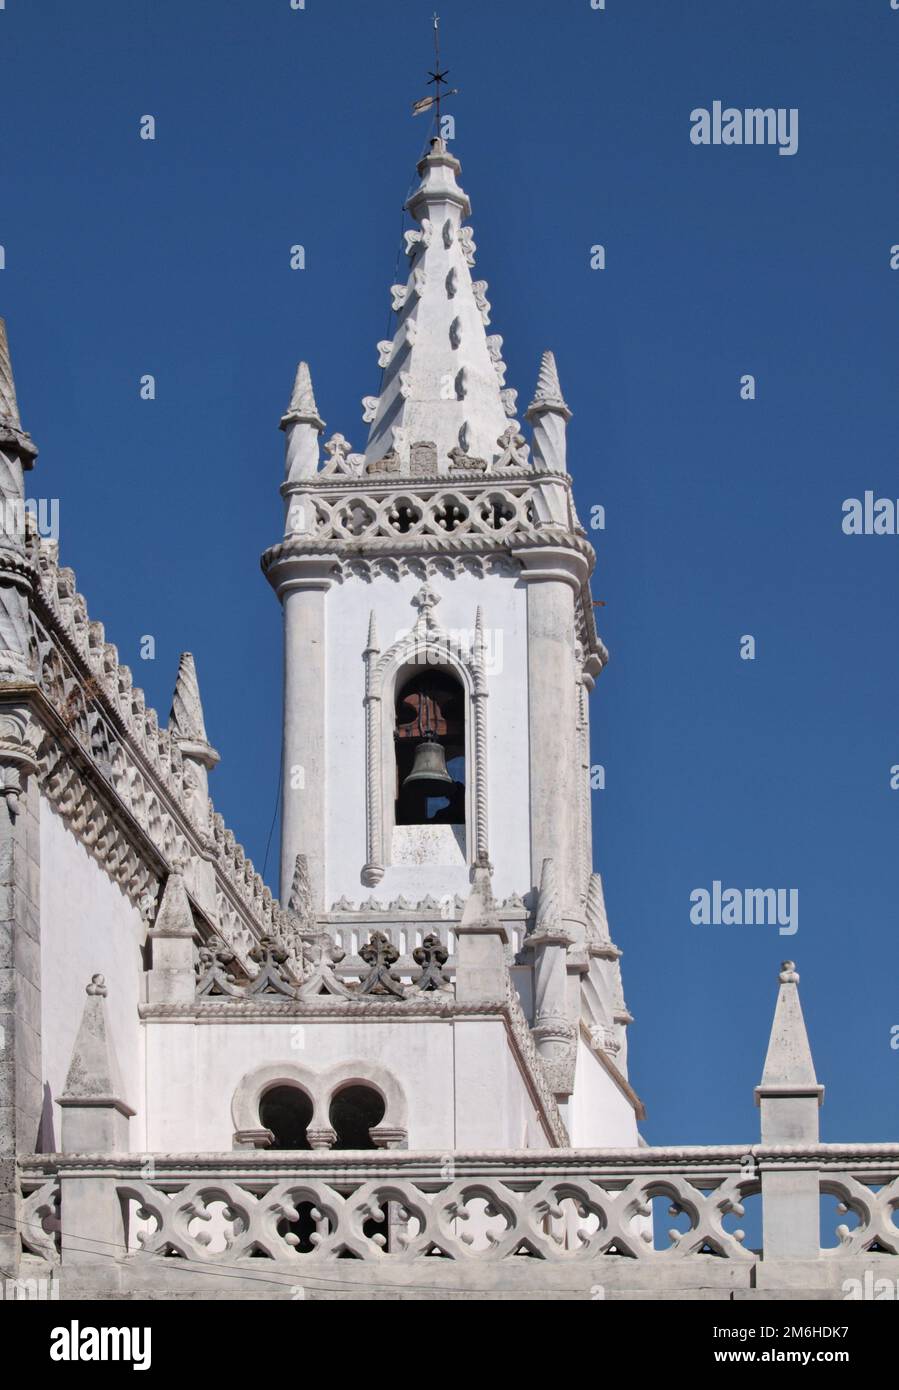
275	816
223	1272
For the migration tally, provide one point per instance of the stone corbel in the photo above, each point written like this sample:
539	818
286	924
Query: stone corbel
321	1136
20	738
389	1137
253	1139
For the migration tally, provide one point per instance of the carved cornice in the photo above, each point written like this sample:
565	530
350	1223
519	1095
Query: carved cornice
707	1160
336	559
340	484
423	567
346	548
118	780
345	912
265	1008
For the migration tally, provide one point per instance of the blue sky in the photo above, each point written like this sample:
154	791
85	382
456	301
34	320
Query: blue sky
278	126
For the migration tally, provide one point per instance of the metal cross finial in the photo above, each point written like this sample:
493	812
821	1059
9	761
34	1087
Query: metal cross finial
438	81
437	76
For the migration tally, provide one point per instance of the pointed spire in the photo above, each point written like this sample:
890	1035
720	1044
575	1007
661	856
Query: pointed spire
789	1058
789	1093
303	428
597	921
186	722
598	937
302	407
172	979
174	917
94	1069
481	941
11	431
548	395
299	904
549	912
186	716
549	416
441	405
94	1114
9	406
480	905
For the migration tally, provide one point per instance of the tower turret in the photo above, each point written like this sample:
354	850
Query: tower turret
303	427
188	727
436	592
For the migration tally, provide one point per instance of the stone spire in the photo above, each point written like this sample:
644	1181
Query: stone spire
172	979
789	1096
9	406
302	426
186	722
789	1093
95	1117
481	941
548	395
549	913
596	917
553	1031
17	454
299	904
188	728
549	416
174	917
13	439
441	402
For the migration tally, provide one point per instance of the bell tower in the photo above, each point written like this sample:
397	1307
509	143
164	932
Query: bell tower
439	636
437	613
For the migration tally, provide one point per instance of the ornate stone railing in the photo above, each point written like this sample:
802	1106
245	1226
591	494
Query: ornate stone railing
406	924
397	1206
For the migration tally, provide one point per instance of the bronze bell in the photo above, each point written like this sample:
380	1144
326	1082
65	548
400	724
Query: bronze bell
429	769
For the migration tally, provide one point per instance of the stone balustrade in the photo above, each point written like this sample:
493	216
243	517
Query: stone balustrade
608	1214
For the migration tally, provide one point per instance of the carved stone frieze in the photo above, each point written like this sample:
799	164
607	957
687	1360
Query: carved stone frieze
119	781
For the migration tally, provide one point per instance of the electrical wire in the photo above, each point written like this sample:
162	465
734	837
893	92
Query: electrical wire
223	1272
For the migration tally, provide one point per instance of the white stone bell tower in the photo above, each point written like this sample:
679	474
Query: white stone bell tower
435	590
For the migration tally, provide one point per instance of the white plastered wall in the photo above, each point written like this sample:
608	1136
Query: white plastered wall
88	927
599	1113
460	1082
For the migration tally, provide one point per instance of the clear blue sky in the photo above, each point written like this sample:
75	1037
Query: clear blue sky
277	126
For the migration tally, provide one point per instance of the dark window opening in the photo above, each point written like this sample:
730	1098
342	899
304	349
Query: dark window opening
303	1229
286	1111
355	1111
404	516
430	751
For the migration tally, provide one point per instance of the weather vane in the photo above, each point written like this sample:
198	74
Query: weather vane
438	81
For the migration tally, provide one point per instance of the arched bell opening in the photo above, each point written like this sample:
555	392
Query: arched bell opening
355	1110
429	740
286	1111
